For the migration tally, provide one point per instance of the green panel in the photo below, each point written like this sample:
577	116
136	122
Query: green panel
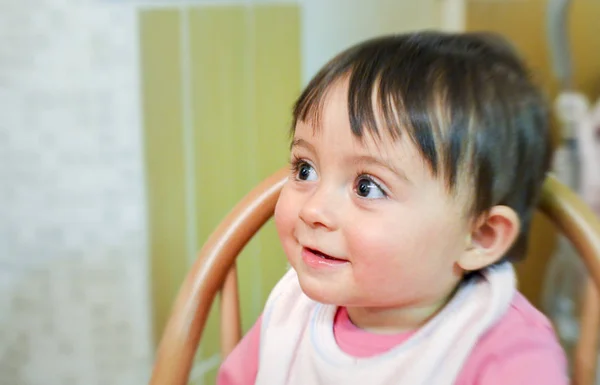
277	85
161	87
246	74
217	82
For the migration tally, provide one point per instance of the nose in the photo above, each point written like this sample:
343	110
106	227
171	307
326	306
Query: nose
320	209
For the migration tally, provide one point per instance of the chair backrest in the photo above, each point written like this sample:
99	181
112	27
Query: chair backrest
214	271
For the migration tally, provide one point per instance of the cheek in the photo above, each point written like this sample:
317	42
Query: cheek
385	236
405	264
285	214
377	250
410	246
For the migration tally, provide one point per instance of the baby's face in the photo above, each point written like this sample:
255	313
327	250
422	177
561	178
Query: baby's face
363	222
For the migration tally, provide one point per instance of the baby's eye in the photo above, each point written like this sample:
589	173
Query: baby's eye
305	171
367	188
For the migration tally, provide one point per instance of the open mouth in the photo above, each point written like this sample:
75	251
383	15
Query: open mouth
324	256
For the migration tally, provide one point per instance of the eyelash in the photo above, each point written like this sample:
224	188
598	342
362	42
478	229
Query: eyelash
365	175
297	161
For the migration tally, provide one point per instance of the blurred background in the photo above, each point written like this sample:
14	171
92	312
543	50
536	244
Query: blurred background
128	129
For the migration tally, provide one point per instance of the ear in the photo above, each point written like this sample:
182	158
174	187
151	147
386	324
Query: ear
492	236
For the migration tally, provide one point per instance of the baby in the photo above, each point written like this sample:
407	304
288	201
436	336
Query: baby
416	165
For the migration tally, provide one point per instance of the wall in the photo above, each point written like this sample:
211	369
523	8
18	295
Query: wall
73	269
330	26
524	22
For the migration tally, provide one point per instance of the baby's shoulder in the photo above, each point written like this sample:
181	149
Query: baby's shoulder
522	324
521	346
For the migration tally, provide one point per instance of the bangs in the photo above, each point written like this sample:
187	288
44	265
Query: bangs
415	99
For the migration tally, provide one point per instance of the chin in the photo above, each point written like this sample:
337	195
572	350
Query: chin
319	292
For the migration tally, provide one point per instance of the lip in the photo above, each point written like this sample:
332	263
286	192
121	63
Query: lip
318	260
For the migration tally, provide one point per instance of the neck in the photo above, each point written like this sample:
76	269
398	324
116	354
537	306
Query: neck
387	320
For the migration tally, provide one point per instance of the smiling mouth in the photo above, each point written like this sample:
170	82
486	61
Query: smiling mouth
324	256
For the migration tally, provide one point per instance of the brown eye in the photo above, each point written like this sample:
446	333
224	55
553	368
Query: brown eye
306	172
364	187
367	188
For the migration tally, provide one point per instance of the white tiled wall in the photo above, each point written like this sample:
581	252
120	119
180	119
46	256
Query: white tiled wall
74	303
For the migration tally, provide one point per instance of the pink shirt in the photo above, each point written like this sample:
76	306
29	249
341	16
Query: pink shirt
521	349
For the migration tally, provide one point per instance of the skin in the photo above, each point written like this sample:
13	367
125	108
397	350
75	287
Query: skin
401	243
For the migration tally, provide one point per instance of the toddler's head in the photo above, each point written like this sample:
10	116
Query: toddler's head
415	158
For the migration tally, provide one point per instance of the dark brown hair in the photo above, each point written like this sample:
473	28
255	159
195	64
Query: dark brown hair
466	101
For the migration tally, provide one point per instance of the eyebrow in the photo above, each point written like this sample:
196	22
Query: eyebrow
370	160
302	143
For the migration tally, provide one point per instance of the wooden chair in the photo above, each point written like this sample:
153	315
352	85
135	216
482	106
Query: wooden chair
214	271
